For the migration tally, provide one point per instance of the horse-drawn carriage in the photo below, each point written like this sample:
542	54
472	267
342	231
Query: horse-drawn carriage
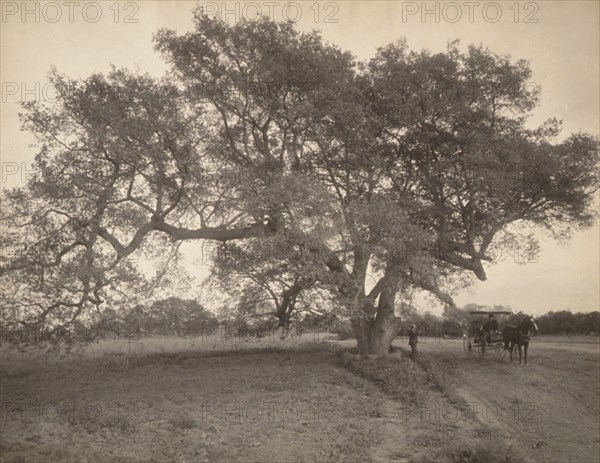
483	334
482	337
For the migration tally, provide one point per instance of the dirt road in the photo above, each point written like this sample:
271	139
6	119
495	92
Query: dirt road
550	407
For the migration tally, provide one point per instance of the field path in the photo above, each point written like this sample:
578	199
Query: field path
550	407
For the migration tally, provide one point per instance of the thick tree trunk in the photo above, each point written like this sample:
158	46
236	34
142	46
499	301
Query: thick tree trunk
382	336
374	335
363	329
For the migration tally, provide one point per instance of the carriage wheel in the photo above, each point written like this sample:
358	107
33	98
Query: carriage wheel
503	352
468	346
498	349
480	348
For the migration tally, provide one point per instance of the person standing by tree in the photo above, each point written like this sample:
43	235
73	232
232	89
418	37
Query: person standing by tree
413	340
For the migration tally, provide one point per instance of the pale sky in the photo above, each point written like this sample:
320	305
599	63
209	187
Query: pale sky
560	38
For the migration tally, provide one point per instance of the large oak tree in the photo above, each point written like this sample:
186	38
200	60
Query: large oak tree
409	166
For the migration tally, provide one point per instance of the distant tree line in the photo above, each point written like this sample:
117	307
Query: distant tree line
569	323
455	319
170	316
187	317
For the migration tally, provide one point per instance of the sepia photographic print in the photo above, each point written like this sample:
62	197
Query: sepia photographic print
300	231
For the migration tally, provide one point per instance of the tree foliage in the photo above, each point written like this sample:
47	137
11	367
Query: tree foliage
389	166
566	322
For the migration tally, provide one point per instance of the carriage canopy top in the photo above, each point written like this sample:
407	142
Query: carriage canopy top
494	312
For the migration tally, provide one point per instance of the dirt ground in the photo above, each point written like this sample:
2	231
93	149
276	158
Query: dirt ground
184	401
551	406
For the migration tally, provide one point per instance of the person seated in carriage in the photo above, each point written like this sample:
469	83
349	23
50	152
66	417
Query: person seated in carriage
489	327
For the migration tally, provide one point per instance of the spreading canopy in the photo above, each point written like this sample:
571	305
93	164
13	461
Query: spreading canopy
409	166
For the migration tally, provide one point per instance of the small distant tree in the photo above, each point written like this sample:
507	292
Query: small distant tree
184	317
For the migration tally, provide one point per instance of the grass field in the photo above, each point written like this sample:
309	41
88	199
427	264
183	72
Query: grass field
203	400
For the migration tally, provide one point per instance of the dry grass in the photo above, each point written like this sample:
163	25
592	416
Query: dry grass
162	384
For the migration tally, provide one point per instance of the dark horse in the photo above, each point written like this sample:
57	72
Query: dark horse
518	335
